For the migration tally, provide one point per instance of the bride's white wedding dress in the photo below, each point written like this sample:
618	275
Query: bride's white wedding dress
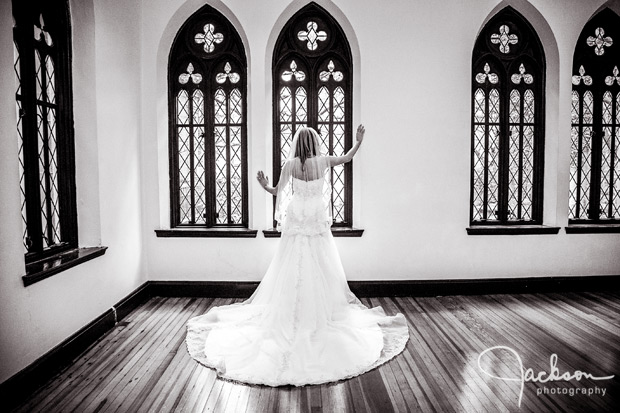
302	325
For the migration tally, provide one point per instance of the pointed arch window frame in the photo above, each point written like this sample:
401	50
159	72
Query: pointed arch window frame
593	77
316	42
210	43
515	205
44	99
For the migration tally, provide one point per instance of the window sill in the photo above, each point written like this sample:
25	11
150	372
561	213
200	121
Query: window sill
206	233
40	270
592	228
336	232
512	230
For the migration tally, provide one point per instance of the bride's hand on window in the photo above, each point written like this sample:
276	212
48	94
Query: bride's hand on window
262	179
360	133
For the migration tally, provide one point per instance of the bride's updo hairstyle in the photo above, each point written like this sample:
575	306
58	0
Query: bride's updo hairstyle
306	144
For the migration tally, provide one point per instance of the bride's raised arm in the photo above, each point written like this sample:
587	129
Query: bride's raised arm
359	137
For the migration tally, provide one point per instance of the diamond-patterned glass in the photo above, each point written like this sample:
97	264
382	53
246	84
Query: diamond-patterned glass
493	106
528	106
235	107
479	168
515	106
182	108
235	175
286	105
324	104
20	146
286	139
38	75
479	106
301	105
527	173
53	175
616	184
338	175
580	161
493	172
50	80
199	175
339	111
198	114
514	169
606	155
221	114
221	175
184	163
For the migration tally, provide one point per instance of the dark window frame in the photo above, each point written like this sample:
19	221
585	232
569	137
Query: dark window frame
185	50
527	50
56	18
597	68
335	48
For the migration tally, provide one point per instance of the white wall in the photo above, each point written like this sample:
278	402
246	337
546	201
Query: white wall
107	84
412	175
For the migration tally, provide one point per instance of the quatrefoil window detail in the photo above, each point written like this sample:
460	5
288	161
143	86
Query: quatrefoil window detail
527	78
221	77
609	80
504	39
185	77
287	75
587	80
337	75
482	77
599	42
209	38
41	33
312	35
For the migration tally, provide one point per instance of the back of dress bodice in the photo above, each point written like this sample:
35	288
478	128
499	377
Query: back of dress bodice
306	189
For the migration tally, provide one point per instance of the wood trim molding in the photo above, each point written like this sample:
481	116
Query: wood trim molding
407	288
43	269
206	233
19	387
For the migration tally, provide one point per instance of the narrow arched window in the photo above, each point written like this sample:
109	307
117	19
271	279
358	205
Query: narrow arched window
42	39
312	82
508	78
595	119
207	117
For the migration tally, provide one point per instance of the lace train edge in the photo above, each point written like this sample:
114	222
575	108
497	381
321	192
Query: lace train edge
394	344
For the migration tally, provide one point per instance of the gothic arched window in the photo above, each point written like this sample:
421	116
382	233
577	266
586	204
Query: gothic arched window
207	85
42	39
508	79
595	134
312	86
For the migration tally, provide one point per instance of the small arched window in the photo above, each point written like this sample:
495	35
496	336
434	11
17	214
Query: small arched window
508	78
207	118
42	39
312	86
595	134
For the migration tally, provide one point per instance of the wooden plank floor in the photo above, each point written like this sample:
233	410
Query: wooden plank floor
142	365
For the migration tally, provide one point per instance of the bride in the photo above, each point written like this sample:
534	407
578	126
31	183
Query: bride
302	325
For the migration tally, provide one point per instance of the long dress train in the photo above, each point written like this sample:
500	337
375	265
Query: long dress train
302	325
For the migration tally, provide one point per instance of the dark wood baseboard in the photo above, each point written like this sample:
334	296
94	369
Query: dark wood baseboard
405	288
19	387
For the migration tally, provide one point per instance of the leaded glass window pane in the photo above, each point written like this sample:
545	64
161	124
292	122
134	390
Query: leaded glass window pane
42	65
508	76
208	169
594	195
312	87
